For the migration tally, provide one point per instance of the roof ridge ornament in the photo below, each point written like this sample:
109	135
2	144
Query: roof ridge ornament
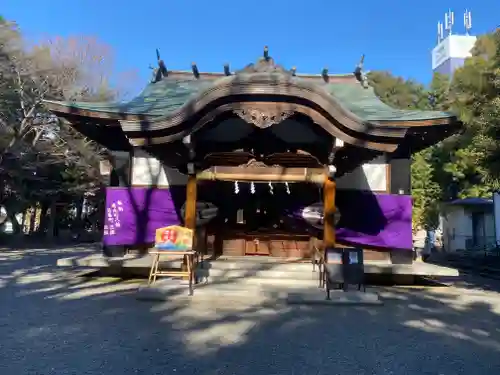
265	64
160	72
324	74
360	74
195	70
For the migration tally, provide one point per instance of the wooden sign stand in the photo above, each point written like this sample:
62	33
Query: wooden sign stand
188	258
174	240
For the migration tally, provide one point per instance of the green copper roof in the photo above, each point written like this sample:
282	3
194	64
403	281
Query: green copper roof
166	96
170	94
365	104
156	99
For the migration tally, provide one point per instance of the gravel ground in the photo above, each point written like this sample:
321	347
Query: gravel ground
54	322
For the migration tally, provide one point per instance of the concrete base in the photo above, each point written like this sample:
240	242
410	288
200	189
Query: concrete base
337	297
128	261
168	290
132	265
141	265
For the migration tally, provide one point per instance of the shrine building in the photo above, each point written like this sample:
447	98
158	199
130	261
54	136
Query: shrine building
260	161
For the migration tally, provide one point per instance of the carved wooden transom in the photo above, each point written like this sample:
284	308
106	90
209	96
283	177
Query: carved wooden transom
263	118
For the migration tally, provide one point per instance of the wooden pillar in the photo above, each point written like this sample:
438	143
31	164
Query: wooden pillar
190	212
329	190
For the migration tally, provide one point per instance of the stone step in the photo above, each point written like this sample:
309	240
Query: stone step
257	265
262	281
236	273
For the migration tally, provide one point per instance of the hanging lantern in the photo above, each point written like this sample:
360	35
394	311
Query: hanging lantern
252	188
236	187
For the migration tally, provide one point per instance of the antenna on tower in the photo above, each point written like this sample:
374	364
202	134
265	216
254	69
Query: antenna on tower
467	21
449	21
440	33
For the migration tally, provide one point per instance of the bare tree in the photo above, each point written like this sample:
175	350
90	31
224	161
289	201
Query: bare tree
40	155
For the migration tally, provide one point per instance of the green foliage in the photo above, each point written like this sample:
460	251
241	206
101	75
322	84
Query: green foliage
464	165
425	190
397	92
471	160
439	91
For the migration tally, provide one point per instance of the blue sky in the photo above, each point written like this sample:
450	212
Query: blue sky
394	35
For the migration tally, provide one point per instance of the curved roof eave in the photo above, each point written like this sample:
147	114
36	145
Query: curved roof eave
340	104
258	86
169	96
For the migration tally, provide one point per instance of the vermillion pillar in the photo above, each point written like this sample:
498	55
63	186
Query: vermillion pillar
190	211
329	190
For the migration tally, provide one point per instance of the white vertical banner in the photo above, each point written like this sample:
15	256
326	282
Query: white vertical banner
376	176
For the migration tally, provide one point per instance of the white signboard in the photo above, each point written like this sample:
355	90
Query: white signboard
453	47
149	171
440	53
368	177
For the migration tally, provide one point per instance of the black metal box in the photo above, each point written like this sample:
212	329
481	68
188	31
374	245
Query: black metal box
353	266
334	265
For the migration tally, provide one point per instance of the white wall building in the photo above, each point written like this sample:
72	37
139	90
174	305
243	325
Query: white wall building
468	224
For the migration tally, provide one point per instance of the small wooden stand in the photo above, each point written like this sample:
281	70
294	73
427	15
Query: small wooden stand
189	259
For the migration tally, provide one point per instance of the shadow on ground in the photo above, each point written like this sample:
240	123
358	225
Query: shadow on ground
54	322
471	274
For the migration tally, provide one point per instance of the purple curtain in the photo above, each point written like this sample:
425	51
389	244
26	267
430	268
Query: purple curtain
366	219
